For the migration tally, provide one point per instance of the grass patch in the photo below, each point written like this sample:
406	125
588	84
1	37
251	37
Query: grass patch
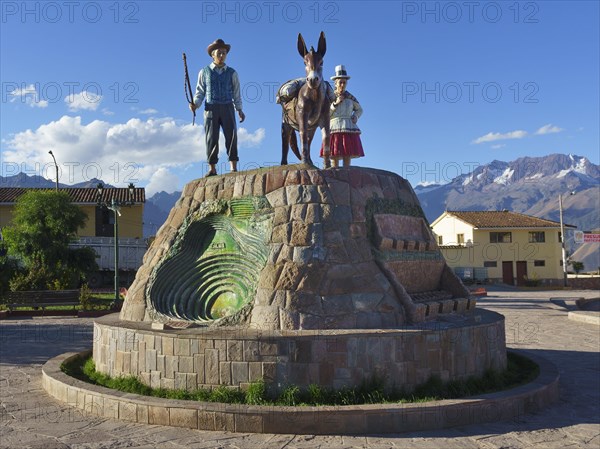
520	370
32	309
103	301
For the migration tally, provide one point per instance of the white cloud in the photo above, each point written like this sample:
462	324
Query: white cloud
148	111
28	95
107	111
497	146
548	129
251	140
139	151
162	179
83	101
491	137
426	183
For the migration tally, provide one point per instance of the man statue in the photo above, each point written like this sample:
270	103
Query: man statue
219	88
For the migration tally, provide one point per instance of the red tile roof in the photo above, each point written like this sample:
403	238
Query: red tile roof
504	219
9	195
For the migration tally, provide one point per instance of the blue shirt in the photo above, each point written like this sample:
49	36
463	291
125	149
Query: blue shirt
201	89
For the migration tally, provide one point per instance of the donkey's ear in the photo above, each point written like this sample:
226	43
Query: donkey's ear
301	46
322	47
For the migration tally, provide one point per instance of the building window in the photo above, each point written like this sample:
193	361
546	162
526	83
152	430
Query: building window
539	263
500	237
105	223
537	237
440	240
460	239
490	264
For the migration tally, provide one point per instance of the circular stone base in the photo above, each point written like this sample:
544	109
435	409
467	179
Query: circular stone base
208	357
355	420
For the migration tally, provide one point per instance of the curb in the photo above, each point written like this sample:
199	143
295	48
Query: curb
587	317
326	420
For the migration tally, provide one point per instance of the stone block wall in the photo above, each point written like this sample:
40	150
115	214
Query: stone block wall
584	283
206	358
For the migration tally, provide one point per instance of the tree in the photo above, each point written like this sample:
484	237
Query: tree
9	267
577	266
43	225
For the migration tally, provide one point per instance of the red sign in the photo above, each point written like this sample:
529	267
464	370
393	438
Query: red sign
591	238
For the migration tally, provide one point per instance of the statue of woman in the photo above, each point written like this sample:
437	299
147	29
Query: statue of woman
345	143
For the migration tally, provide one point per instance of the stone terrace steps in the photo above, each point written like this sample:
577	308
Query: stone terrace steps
437	302
434	295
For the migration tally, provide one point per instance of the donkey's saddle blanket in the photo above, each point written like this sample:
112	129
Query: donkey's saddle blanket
287	97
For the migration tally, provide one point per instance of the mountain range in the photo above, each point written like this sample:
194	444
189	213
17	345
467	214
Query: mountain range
38	182
529	185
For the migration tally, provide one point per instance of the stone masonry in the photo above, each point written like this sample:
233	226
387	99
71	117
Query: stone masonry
347	249
208	357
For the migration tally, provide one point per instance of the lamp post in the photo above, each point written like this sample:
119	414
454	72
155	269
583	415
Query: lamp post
55	166
562	238
115	206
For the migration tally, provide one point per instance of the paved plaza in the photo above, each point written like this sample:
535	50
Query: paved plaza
536	321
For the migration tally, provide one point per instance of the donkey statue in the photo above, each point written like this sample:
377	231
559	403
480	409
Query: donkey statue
305	104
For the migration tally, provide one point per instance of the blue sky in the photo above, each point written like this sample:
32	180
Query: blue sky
445	86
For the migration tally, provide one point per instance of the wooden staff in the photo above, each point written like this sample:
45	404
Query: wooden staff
189	94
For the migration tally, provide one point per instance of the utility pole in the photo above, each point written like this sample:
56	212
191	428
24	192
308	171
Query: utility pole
55	166
562	238
115	206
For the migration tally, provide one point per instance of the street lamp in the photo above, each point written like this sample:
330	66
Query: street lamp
115	206
55	166
562	238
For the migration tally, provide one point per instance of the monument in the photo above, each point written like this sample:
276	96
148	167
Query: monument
296	275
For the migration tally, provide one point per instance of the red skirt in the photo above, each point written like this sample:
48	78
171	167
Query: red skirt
344	145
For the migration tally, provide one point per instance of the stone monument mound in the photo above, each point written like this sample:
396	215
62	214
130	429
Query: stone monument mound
297	275
297	248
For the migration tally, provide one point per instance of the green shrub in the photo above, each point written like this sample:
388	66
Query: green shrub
433	387
129	384
346	396
225	394
372	391
290	396
520	370
577	266
317	395
202	395
532	281
32	279
257	393
9	268
85	297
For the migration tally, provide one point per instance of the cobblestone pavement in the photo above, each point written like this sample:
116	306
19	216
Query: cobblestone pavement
29	418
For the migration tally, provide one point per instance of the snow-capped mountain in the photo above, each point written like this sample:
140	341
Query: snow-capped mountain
530	185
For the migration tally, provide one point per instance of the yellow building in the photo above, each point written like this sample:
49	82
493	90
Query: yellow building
98	231
501	246
100	221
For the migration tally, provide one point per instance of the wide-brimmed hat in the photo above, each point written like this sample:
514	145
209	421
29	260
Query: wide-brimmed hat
340	72
219	43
